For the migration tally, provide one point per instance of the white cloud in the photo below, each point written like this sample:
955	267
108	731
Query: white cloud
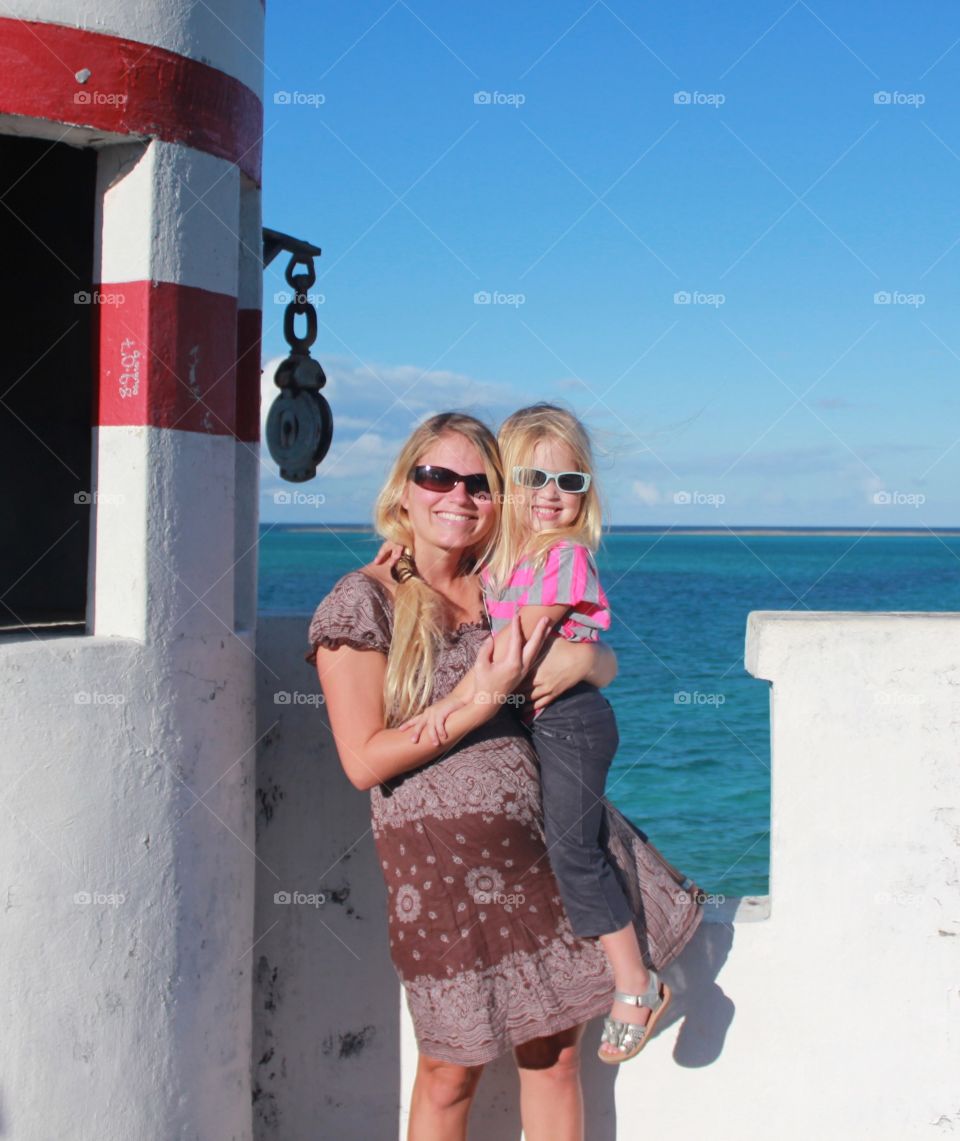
647	493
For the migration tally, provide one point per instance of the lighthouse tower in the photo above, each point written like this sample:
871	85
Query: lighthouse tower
130	144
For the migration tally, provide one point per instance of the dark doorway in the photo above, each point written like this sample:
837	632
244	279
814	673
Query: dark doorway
47	193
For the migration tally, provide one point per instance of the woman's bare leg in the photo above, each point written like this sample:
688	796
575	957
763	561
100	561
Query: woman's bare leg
626	961
551	1100
441	1100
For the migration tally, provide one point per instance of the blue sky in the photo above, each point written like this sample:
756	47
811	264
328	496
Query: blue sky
790	170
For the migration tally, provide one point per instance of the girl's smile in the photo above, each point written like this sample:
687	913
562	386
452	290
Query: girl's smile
550	507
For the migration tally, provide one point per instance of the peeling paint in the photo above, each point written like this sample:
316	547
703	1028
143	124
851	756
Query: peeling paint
267	801
267	983
351	1043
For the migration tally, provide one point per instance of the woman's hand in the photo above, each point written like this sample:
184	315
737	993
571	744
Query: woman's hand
495	681
565	665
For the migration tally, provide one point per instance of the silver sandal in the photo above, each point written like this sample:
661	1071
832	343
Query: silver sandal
628	1037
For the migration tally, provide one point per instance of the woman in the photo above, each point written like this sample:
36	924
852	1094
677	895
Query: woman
477	929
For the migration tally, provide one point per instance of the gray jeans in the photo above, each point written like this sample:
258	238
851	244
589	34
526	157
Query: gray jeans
576	739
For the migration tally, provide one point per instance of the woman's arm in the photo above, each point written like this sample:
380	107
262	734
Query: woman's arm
432	720
567	663
352	682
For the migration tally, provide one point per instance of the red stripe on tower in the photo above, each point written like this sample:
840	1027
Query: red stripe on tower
132	88
168	359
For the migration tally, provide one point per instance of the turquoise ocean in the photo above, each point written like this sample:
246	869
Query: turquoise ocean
693	768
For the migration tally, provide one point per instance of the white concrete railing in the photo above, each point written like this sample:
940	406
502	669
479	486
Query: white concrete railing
835	1017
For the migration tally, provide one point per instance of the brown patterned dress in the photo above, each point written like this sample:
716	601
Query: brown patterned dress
478	933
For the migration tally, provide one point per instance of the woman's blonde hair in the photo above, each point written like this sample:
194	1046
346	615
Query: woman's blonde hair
518	436
419	611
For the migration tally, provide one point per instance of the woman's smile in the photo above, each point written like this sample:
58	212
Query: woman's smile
455	517
449	520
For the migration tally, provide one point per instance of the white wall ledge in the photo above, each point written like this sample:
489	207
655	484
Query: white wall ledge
773	636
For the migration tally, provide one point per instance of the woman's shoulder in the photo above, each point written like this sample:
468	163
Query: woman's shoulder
357	612
367	581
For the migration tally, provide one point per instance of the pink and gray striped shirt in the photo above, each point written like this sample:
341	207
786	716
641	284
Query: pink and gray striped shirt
569	575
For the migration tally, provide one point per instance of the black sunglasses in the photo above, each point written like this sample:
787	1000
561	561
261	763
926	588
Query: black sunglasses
443	479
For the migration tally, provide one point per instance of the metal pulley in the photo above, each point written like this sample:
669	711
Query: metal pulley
300	423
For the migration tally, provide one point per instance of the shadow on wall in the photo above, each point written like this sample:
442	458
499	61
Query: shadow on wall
699	1005
327	999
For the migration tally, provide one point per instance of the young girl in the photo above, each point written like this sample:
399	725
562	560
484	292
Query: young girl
543	565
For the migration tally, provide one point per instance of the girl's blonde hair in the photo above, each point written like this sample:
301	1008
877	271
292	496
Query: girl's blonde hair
419	611
519	434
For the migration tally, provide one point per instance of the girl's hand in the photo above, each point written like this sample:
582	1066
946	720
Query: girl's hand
432	720
388	553
496	681
565	665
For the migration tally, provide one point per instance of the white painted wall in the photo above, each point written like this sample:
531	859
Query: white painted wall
126	1018
168	213
834	1015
